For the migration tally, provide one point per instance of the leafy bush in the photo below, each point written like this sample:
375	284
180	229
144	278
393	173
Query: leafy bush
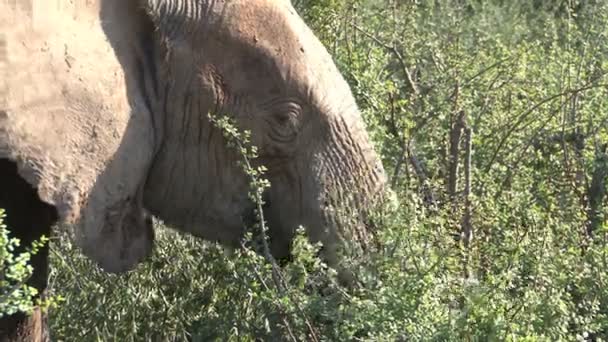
491	118
15	295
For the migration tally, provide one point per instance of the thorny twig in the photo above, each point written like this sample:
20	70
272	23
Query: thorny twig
267	288
408	151
397	54
277	275
522	116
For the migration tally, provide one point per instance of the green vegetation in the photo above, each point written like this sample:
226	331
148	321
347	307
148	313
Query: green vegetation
15	270
492	120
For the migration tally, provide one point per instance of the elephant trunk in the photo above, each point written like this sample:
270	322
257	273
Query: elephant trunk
352	175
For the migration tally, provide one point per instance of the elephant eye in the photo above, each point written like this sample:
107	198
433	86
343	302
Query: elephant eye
287	115
284	120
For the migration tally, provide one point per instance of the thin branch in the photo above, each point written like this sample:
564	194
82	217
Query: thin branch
278	304
429	195
277	275
483	71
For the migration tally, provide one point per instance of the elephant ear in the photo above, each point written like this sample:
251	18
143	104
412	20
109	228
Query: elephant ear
72	126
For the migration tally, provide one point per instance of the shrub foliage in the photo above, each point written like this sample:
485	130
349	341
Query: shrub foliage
16	296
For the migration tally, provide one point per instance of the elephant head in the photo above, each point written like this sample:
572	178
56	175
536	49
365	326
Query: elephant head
146	91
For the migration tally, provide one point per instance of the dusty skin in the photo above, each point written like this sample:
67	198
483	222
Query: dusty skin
104	111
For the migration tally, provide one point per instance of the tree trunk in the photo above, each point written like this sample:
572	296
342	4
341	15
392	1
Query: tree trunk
28	218
596	193
467	227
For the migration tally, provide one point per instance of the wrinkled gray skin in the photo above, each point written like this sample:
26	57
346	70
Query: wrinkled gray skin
117	124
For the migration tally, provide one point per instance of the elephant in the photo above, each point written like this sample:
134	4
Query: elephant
105	123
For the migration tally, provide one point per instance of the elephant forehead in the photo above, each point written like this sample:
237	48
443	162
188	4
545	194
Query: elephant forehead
266	24
272	36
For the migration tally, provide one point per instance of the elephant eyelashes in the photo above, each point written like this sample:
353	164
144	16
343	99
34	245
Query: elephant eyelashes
286	119
283	119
